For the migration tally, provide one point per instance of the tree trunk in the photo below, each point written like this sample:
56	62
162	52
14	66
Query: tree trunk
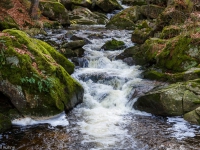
34	9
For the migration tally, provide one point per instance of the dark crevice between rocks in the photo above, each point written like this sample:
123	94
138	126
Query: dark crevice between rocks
6	105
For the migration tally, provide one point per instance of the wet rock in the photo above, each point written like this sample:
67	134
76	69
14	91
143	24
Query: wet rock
35	77
55	11
113	45
125	19
74	44
84	16
133	52
172	100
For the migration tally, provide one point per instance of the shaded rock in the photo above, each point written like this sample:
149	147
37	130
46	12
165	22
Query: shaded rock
108	5
134	2
139	36
55	11
113	45
151	11
84	16
125	19
5	123
133	52
35	77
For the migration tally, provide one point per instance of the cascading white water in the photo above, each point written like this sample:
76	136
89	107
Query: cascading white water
106	119
108	86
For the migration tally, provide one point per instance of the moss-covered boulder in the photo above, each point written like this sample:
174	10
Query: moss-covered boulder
172	100
113	45
84	16
35	76
151	11
108	5
177	54
55	11
5	123
125	19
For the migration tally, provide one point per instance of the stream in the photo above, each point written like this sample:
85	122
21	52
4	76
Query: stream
106	120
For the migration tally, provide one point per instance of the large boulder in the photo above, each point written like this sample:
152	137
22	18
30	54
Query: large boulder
175	99
35	77
55	11
125	19
84	16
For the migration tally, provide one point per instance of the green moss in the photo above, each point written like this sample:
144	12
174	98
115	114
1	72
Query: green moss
7	23
113	45
174	56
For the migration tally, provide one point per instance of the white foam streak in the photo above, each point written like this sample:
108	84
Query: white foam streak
181	128
58	120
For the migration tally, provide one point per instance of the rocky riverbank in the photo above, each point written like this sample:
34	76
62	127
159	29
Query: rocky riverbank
35	77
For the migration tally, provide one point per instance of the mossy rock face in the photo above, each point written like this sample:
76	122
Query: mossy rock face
5	123
177	54
6	22
113	45
151	11
170	31
55	11
84	16
174	99
125	19
35	76
108	5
